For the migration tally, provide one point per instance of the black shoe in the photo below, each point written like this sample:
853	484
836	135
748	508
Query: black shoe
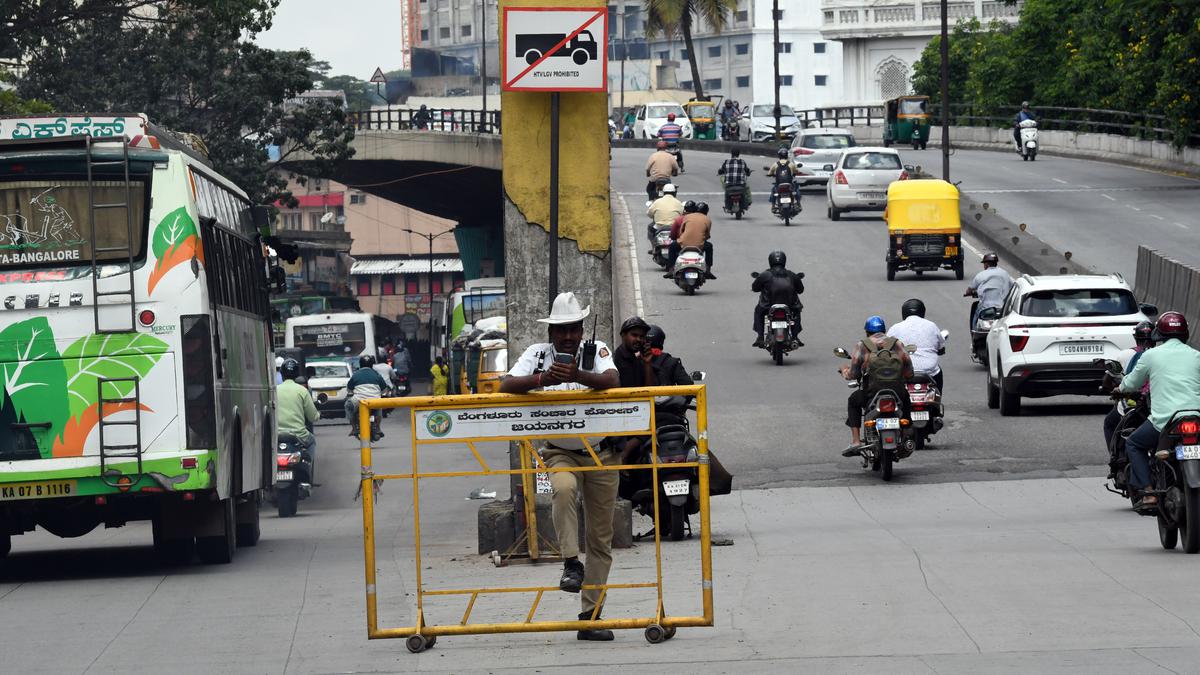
709	275
799	342
668	275
593	634
572	578
758	342
353	433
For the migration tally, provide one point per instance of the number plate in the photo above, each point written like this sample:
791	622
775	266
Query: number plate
887	423
691	275
282	476
872	195
920	416
42	490
675	488
785	200
1187	452
330	392
778	324
1081	348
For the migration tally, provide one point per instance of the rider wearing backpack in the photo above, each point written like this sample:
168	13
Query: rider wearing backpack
878	362
783	171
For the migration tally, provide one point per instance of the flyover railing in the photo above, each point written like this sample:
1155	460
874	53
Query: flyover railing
1081	120
458	120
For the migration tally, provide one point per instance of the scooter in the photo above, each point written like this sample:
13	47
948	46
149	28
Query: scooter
676	152
778	335
734	202
295	469
787	202
678	488
401	386
927	412
980	329
1028	147
690	269
662	247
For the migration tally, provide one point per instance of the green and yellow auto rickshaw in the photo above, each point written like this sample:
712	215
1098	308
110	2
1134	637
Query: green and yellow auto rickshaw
908	122
703	115
924	231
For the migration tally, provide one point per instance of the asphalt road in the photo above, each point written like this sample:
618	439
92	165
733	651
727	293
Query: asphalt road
1098	211
778	426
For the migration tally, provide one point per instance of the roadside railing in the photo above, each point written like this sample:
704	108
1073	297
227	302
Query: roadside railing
1082	120
431	119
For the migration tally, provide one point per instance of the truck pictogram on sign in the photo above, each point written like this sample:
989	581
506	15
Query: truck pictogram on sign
555	49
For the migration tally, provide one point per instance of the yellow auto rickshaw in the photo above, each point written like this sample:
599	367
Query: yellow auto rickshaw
924	232
703	115
908	121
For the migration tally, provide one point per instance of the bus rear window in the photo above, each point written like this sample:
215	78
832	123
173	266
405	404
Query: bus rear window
333	339
48	222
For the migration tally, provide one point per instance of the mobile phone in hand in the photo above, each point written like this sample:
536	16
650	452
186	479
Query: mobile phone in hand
564	358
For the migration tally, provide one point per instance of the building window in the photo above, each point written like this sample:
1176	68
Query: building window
785	80
818	47
424	33
358	198
712	84
293	221
387	285
364	286
714	52
683	55
741	49
785	48
686	84
743	81
437	286
444	32
743	16
412	285
664	55
465	30
819	80
314	222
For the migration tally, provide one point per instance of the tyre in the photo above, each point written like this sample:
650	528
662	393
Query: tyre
787	221
891	271
690	290
218	550
993	394
737	215
835	213
1024	158
1033	156
677	519
958	270
248	530
1190	527
777	354
920	441
288	500
1010	404
885	465
1168	534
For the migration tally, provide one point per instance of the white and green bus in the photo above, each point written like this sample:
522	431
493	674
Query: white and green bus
135	338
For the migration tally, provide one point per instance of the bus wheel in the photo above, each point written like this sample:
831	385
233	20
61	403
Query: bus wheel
248	530
218	550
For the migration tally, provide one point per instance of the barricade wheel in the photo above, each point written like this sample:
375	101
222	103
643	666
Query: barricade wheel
655	634
670	633
417	643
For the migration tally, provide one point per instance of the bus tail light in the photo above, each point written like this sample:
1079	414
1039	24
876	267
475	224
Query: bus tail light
199	412
146	317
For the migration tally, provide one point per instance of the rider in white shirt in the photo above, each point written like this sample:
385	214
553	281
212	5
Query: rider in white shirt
923	334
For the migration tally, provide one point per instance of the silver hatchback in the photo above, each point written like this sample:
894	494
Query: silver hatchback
816	152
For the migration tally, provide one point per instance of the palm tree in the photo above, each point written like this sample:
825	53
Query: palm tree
675	17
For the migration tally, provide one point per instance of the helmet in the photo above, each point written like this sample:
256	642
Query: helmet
702	207
689	206
782	152
661	145
990	258
634	322
1024	104
736	152
875	324
1143	332
912	306
670	117
366	361
1170	325
776	259
278	362
669	189
290	369
656	336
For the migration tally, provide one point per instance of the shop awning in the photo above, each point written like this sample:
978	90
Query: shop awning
405	266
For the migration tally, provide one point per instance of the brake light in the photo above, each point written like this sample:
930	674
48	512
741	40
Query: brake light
802	151
1189	431
887	405
840	178
903	175
779	315
283	460
918	406
1018	342
146	317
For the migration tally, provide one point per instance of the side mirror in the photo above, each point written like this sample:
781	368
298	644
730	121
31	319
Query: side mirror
1148	309
989	314
841	353
699	375
910	167
754	275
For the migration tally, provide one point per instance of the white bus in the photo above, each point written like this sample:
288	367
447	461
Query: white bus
135	343
342	335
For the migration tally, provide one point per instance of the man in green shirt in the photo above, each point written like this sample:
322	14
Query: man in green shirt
294	407
1173	371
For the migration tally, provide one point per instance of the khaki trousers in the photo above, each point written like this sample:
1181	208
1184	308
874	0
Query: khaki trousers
599	490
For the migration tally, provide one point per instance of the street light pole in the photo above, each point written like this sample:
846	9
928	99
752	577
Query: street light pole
483	71
945	49
775	20
624	55
430	237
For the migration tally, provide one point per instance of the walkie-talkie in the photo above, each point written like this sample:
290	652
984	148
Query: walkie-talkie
589	348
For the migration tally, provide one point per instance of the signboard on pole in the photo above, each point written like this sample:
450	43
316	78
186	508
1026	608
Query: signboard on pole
378	77
555	49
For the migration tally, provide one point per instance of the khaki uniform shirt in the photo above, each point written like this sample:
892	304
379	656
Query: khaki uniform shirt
665	210
695	230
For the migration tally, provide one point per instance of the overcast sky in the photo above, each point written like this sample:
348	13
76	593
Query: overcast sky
354	36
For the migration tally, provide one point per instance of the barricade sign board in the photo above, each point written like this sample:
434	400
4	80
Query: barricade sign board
555	49
541	421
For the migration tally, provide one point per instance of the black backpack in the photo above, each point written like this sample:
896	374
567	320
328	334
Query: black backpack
783	172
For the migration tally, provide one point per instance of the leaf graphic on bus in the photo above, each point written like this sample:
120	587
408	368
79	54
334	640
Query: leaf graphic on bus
34	379
175	242
75	433
112	355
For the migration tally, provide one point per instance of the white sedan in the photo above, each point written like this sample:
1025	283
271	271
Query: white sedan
861	178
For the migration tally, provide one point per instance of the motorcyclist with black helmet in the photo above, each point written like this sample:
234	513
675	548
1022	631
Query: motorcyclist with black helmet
916	330
783	171
295	412
364	384
777	285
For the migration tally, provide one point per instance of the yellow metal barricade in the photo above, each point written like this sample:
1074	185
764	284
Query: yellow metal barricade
435	414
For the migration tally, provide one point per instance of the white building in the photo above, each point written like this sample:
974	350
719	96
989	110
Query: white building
881	40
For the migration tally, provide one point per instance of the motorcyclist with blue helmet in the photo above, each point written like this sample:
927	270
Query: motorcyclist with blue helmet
875	341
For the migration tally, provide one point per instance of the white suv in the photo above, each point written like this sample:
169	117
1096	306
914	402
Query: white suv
1050	330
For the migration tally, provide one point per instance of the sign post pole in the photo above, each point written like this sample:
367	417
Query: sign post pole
553	287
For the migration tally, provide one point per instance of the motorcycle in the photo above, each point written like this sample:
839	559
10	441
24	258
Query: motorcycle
787	202
689	270
674	150
980	330
401	386
1028	147
778	332
295	469
678	489
734	202
656	191
662	247
1133	408
1175	480
887	428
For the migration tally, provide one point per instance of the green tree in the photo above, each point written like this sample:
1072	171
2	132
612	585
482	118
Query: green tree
677	17
360	95
190	66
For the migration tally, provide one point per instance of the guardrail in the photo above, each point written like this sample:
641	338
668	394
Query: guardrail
1081	120
431	119
1169	284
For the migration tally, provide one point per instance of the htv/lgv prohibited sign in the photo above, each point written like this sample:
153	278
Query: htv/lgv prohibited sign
555	49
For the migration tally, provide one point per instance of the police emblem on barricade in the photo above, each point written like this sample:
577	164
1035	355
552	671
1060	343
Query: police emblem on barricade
438	423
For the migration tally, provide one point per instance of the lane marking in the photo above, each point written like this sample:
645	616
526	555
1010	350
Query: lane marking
1149	188
1131	206
1109	197
623	213
971	248
1159	217
1059	180
1181	226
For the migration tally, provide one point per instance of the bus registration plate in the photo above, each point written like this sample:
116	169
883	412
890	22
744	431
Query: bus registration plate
40	490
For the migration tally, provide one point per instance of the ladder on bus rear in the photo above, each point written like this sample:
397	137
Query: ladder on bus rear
121	449
123	281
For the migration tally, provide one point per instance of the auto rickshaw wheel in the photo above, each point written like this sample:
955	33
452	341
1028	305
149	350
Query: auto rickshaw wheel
924	144
958	270
891	271
887	142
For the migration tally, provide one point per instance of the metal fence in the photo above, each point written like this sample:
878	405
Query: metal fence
431	119
1169	284
1081	120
